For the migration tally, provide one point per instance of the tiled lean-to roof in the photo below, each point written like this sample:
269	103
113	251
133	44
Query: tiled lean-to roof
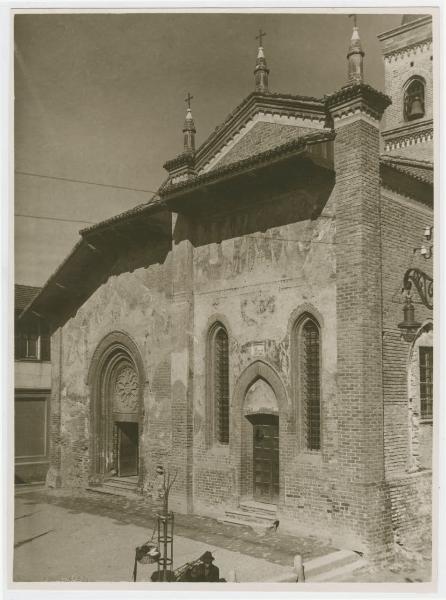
421	170
275	153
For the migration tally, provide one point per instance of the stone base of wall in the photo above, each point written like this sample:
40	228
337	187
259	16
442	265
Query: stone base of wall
411	508
53	478
30	472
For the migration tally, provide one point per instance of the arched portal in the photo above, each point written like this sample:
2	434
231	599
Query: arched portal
261	408
116	380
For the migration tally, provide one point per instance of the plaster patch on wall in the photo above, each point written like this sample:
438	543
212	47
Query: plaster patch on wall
260	398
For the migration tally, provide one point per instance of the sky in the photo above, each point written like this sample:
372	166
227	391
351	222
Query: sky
99	98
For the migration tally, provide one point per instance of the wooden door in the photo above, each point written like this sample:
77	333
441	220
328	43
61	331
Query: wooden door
266	461
128	449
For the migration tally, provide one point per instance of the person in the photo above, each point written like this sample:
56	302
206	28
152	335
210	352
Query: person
208	571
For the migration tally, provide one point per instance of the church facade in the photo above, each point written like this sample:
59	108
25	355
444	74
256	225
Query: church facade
245	328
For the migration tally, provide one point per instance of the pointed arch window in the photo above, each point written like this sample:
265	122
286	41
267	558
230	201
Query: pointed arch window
219	364
307	367
414	99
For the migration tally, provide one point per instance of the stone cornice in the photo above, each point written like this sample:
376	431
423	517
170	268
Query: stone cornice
411	25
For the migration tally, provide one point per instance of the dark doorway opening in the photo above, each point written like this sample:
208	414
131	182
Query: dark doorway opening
127	449
266	458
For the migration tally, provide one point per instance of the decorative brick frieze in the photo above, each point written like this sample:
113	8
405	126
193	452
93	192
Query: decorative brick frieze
408	51
404	139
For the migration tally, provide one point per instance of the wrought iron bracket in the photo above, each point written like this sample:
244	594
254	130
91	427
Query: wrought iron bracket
423	283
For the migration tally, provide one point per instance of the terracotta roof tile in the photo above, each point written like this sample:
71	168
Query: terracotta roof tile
421	170
24	294
294	145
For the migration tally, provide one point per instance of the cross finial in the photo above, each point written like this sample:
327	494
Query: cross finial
260	36
188	99
355	18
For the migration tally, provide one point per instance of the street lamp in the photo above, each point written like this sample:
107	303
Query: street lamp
408	325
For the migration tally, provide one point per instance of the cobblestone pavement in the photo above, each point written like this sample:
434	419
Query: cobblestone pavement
91	537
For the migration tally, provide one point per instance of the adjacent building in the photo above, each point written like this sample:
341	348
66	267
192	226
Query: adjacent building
32	388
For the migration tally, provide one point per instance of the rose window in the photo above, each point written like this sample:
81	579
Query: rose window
126	390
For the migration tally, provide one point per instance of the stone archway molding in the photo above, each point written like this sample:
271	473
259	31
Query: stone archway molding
260	370
117	346
240	446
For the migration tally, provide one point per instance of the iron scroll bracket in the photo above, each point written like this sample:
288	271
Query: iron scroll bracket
423	283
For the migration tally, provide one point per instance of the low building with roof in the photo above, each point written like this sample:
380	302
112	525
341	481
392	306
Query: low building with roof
32	389
246	328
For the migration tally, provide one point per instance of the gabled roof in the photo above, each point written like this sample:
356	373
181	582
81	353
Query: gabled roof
262	137
286	107
23	294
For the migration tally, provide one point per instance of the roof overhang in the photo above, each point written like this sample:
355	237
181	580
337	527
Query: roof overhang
406	177
94	258
280	167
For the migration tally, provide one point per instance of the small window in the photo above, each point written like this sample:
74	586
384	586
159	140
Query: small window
426	381
32	342
414	100
310	382
220	382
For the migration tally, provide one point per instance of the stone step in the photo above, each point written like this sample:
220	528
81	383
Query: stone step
267	510
122	483
340	572
336	559
328	567
241	517
114	490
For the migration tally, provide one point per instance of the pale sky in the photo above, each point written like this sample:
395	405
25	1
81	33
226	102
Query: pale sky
100	98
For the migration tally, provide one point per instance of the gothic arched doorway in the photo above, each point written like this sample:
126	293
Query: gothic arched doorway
261	411
117	382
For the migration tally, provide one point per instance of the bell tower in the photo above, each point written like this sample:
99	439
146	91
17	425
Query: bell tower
408	59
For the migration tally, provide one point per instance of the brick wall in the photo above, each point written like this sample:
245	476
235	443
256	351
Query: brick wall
403	222
359	348
411	501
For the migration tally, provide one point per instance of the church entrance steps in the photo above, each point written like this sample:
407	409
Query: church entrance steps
117	486
252	513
